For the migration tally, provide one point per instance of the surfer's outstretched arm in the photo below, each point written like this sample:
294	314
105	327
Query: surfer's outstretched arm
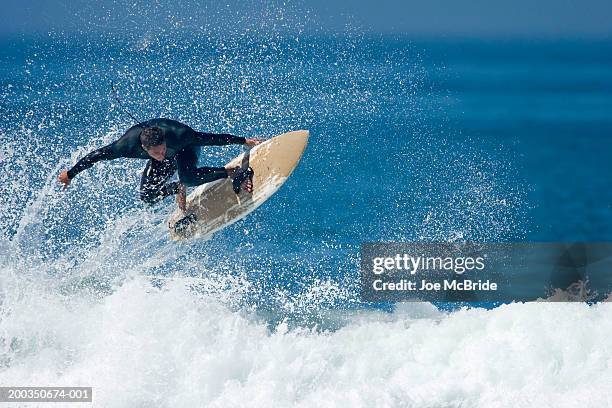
220	139
104	153
108	152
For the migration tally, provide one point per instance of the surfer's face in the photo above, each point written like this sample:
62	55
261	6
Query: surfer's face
157	152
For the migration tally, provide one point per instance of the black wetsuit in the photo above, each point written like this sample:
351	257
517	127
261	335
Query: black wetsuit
182	150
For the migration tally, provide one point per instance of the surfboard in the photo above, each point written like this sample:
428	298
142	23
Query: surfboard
213	206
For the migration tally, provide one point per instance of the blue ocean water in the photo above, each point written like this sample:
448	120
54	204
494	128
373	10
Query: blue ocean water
435	140
471	140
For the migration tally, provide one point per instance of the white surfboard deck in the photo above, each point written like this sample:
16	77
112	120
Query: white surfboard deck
215	205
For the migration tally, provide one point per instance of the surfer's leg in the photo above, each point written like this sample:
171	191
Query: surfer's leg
190	174
153	185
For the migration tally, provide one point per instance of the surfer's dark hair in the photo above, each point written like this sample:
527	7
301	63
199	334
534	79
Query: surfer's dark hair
152	136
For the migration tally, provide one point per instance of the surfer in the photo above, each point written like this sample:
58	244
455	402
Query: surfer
169	146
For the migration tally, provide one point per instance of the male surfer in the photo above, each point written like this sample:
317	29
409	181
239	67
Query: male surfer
169	146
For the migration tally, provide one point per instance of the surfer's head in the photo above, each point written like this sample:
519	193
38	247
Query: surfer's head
153	142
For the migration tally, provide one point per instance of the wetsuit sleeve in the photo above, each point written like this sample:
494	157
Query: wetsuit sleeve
213	139
108	152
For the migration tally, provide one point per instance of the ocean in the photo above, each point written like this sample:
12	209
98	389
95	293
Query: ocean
445	140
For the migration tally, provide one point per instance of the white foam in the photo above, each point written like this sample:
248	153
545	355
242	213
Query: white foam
142	346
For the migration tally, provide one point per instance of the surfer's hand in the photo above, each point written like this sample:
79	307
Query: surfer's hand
64	179
181	197
252	142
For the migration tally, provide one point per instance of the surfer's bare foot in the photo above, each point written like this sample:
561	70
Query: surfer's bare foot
181	197
247	183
